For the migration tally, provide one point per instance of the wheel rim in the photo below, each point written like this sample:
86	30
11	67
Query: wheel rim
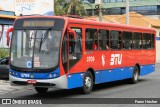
88	82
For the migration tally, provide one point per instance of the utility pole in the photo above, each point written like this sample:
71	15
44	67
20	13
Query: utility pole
100	9
127	12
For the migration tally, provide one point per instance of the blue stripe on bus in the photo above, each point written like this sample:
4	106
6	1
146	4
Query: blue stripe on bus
34	75
147	69
113	75
101	76
75	80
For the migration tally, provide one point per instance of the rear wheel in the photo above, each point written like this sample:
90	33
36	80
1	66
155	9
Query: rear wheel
135	76
87	82
41	90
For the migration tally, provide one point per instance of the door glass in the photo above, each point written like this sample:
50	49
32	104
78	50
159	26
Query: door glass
75	47
65	52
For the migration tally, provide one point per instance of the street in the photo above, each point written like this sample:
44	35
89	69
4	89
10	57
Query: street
147	87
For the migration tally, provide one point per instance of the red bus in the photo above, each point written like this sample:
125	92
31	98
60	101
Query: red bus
62	52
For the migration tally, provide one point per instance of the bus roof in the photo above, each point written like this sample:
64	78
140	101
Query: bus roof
8	16
91	22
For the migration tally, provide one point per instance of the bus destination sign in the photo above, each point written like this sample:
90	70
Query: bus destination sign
38	23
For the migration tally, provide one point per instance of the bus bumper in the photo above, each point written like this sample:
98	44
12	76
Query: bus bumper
60	82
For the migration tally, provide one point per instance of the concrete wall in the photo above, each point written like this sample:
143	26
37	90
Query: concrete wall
158	51
158	46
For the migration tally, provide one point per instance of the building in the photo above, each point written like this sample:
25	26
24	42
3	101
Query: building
150	8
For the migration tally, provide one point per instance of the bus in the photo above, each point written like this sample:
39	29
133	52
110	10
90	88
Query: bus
65	53
6	21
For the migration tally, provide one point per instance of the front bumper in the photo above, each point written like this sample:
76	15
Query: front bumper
60	82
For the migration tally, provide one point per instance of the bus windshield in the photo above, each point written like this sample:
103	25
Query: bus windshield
35	49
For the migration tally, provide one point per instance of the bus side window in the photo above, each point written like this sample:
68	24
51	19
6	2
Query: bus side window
127	40
146	41
91	39
152	41
104	39
137	41
115	39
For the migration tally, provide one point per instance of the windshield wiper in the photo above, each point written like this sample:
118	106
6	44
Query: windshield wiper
45	37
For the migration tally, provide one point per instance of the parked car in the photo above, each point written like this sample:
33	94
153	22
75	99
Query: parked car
4	67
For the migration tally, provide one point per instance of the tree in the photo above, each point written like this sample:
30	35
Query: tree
58	7
76	7
72	7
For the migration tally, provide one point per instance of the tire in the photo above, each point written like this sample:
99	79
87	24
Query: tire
41	90
135	75
87	83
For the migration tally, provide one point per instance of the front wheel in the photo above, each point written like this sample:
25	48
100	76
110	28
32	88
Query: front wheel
135	76
41	90
87	82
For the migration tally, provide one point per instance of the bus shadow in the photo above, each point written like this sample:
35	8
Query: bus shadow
56	94
115	84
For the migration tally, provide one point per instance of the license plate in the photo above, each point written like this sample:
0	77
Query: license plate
31	81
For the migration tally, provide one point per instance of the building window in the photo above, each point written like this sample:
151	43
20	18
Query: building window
112	1
119	0
105	1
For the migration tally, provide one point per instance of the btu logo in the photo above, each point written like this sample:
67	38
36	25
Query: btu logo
116	59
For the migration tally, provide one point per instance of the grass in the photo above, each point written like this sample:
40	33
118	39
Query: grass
4	52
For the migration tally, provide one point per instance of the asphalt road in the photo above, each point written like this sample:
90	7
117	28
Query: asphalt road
147	87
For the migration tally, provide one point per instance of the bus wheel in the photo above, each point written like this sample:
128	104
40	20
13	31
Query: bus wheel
87	82
41	90
135	76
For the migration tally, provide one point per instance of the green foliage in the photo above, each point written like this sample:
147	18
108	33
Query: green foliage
73	7
58	7
4	52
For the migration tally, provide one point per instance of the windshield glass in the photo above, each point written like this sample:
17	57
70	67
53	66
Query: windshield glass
38	49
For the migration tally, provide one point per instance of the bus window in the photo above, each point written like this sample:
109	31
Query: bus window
137	41
64	52
152	41
115	40
127	40
91	39
104	39
146	41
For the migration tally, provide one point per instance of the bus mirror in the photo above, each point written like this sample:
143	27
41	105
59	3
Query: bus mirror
72	32
7	35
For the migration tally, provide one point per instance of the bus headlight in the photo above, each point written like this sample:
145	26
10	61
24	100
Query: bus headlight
16	74
50	75
53	75
11	73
